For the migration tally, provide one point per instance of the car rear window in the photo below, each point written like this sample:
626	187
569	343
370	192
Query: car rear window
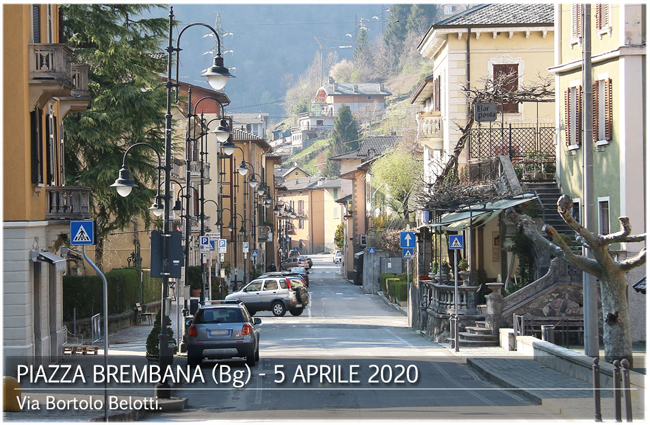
219	315
296	282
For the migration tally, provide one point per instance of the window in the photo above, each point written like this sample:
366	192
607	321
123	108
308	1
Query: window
602	104
436	94
335	193
36	146
603	14
301	207
301	223
603	216
576	23
573	115
271	285
508	74
50	134
576	212
36	23
50	31
336	212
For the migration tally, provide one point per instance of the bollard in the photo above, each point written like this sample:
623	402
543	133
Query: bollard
617	391
548	333
627	393
596	370
11	394
452	328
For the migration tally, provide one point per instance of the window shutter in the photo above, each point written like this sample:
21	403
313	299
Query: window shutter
48	153
567	116
608	109
576	21
36	147
578	118
605	16
36	21
599	16
594	121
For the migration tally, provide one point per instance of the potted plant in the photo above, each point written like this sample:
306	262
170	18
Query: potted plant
444	268
463	271
434	269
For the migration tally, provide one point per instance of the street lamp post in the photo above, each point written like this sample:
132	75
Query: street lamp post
217	77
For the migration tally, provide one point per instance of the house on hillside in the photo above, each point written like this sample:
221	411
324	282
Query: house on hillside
281	174
354	170
41	87
254	123
618	48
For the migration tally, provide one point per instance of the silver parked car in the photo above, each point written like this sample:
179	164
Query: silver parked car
275	292
223	330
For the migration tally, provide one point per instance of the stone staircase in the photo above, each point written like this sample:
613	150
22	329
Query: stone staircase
549	193
478	336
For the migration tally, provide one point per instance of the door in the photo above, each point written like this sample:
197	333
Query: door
250	295
269	293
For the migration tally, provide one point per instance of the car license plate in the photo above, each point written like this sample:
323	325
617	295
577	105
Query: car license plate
219	332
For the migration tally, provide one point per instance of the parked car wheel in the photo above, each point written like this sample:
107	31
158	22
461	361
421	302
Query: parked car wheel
250	360
278	309
296	311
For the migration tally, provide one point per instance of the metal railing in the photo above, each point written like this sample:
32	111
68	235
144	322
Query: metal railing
67	203
516	140
518	324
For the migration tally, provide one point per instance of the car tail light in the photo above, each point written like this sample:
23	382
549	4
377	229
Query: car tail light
246	329
193	331
288	283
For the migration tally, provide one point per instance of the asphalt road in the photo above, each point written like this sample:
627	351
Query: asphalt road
349	356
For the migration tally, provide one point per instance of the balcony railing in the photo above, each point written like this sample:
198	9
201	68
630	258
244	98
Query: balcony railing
430	125
440	298
67	203
195	170
50	63
195	223
80	81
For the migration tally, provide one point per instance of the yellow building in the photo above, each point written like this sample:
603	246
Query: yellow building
40	87
316	215
618	55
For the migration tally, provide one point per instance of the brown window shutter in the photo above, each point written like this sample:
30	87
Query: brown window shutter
605	16
567	116
578	117
599	16
608	109
595	115
576	21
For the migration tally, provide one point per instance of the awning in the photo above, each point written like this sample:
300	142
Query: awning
478	214
358	255
48	257
640	285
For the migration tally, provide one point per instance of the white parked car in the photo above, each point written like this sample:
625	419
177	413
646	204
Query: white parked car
338	257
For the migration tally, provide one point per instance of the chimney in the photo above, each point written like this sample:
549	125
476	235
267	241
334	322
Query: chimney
336	87
381	87
356	88
331	80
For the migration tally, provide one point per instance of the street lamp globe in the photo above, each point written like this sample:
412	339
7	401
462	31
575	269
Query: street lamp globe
260	191
123	183
157	208
253	182
228	147
178	208
217	74
242	168
222	132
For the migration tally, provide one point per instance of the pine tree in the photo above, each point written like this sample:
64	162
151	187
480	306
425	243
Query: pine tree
395	33
128	102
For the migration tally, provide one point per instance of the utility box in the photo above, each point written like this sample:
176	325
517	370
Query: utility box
391	265
176	259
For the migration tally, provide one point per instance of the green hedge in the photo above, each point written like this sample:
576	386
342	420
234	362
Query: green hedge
398	289
85	293
384	276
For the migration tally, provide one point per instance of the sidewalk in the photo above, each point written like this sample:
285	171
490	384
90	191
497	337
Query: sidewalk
557	392
128	342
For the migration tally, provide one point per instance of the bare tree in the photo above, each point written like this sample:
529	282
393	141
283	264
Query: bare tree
611	273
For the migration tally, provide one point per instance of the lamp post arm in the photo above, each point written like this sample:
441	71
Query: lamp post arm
157	154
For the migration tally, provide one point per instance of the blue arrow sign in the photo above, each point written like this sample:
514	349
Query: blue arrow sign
82	232
371	250
407	253
456	242
407	240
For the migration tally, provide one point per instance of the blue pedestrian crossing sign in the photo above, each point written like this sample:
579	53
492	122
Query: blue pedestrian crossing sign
254	253
407	253
371	250
407	240
82	232
456	242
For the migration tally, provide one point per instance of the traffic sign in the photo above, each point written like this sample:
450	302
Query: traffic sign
456	242
245	246
207	245
82	232
222	246
407	253
254	253
213	236
407	240
371	250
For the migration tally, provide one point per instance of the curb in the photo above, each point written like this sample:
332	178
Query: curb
395	306
173	405
492	377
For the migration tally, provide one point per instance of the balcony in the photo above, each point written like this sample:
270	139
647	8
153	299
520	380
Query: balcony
195	224
430	129
50	72
67	203
79	99
195	171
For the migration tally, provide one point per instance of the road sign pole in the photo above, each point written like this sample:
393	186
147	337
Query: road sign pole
210	276
456	337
